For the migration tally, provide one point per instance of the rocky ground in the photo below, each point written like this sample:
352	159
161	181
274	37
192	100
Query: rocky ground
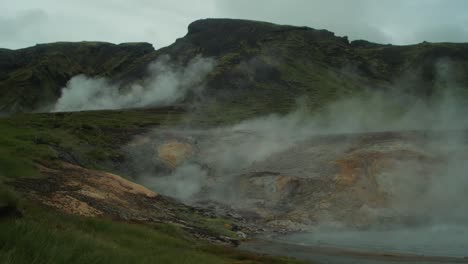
92	193
361	181
355	180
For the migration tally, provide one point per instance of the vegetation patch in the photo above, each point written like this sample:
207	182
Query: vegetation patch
44	236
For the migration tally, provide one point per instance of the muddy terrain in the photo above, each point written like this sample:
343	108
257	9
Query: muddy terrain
354	179
395	197
356	182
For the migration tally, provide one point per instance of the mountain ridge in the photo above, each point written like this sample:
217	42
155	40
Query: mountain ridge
255	59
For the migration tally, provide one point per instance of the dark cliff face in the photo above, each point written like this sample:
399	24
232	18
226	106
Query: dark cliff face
260	66
215	37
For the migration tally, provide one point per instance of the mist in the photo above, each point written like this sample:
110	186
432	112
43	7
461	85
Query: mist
422	177
227	151
166	83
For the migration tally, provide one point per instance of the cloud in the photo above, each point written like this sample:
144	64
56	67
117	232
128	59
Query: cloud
342	17
442	33
397	22
18	28
156	22
161	22
167	83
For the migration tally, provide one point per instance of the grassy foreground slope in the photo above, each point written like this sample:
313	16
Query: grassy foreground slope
34	233
44	236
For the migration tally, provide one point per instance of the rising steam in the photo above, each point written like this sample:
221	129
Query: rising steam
425	186
166	84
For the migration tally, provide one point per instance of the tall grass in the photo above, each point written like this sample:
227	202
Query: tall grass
45	236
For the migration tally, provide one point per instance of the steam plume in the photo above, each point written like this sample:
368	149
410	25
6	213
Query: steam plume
166	84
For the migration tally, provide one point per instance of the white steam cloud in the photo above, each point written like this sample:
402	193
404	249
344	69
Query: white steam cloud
184	182
228	151
424	180
167	83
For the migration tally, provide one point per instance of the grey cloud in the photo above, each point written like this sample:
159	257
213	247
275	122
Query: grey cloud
442	33
18	28
161	22
397	22
342	17
156	22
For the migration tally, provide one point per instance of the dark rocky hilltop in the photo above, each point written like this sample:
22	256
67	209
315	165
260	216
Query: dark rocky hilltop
258	59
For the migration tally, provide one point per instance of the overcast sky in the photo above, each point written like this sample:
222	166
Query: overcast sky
27	22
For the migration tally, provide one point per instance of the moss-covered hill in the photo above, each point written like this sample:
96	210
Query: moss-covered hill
261	66
31	78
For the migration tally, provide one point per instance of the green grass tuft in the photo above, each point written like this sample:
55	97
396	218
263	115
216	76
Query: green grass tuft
43	236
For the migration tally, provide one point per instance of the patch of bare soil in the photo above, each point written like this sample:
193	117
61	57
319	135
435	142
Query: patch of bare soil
92	193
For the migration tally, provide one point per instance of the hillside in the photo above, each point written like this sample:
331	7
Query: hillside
31	78
261	67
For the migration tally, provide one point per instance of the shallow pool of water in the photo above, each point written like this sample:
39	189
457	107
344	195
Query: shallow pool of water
437	240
